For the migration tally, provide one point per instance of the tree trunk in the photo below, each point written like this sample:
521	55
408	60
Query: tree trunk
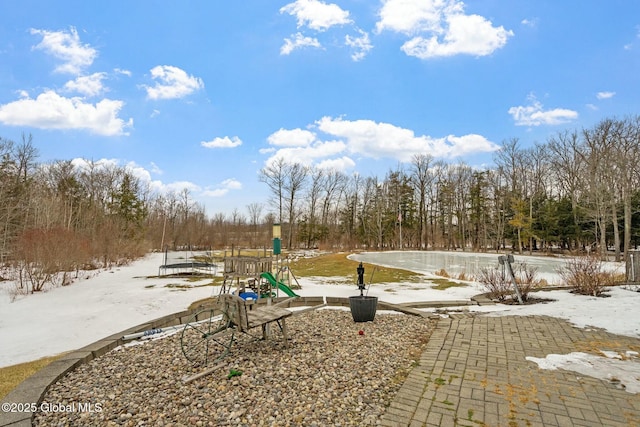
616	231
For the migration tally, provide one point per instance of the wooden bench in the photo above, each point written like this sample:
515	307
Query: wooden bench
235	308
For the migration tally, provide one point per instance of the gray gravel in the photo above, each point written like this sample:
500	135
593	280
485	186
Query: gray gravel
329	375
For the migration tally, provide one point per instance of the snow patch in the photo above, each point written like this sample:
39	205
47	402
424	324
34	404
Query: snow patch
624	374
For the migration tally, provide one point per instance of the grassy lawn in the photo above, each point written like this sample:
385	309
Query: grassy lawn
341	270
14	375
442	284
337	265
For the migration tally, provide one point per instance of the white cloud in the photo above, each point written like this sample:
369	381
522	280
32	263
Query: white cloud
179	186
301	146
530	22
414	16
52	111
316	15
467	34
156	169
535	115
224	188
592	107
605	95
158	187
340	164
440	28
139	172
298	41
378	140
85	165
66	46
365	138
224	142
361	45
466	144
87	85
307	155
291	138
172	82
218	192
232	184
123	72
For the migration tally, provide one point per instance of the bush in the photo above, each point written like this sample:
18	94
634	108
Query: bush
442	273
527	280
463	276
496	283
500	287
586	276
47	256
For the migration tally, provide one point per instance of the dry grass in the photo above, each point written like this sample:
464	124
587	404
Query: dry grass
442	273
444	284
14	375
343	271
338	265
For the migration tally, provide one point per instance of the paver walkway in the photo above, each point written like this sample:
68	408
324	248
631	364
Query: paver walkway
474	372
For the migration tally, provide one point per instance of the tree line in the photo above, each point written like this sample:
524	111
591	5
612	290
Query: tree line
578	191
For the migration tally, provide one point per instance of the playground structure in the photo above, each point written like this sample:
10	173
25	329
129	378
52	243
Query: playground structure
253	277
211	332
187	261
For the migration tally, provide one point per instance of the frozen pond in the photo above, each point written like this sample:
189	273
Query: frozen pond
455	263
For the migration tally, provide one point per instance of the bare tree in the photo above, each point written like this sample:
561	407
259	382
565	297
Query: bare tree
568	169
334	185
627	157
318	180
422	178
597	155
274	175
26	155
295	178
255	214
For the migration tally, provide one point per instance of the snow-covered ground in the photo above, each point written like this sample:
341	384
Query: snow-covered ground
71	317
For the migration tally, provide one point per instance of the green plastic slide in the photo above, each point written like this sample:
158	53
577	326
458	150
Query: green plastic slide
275	284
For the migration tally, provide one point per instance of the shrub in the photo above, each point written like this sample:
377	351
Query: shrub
442	273
463	276
527	280
496	283
47	256
500	287
586	275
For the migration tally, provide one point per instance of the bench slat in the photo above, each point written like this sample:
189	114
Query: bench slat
235	308
264	315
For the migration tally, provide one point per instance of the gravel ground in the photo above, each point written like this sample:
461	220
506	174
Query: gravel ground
329	375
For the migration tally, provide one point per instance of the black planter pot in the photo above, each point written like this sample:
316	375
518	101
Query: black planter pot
363	308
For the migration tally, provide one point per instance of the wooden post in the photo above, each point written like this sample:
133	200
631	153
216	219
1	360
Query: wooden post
202	374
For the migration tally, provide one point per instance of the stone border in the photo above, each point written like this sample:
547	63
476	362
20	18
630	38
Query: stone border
32	390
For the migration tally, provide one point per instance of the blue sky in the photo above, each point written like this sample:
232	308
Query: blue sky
202	94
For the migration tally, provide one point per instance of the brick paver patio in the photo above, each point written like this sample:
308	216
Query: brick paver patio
474	372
